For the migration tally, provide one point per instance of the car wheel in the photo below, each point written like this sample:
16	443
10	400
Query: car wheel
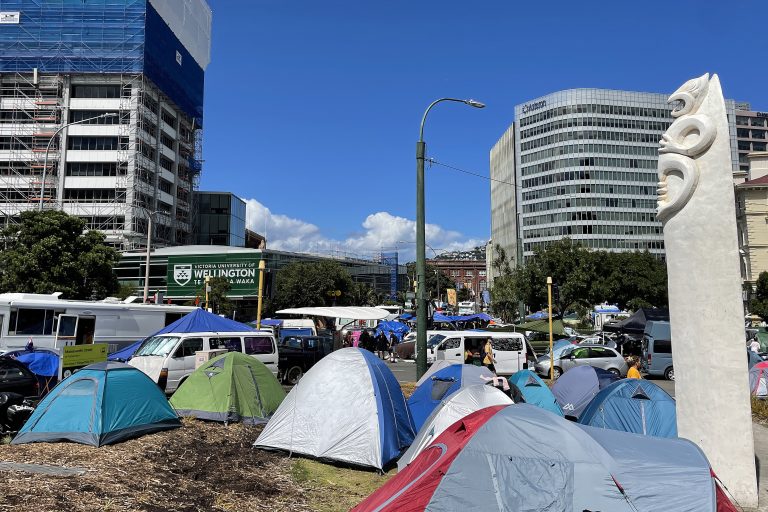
669	373
557	373
615	371
293	375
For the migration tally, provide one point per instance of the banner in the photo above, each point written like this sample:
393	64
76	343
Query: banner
74	357
186	274
451	296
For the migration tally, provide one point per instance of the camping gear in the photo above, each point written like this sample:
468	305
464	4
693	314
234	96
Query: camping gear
440	384
632	405
521	457
230	387
753	358
542	326
14	412
758	380
535	391
459	404
198	320
42	362
103	403
347	408
578	386
391	327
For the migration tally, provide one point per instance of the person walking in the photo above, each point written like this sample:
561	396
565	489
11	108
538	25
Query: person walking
392	344
634	368
488	359
754	346
382	345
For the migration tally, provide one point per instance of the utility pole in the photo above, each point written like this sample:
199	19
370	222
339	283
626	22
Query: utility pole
146	262
262	266
207	290
551	352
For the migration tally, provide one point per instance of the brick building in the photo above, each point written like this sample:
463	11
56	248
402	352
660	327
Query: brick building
470	274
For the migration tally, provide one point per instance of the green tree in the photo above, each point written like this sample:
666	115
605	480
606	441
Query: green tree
362	294
759	305
217	297
50	251
434	276
304	284
504	293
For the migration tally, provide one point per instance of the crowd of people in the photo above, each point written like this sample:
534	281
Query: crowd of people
381	344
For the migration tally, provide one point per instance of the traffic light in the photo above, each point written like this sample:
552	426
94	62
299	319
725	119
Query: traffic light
555	293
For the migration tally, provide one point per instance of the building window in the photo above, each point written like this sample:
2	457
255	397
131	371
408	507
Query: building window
483	285
469	273
169	118
94	195
166	140
454	273
78	116
97	143
96	169
166	186
97	91
166	163
481	273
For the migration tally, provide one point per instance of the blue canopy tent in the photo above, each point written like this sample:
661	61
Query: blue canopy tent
633	405
272	322
199	320
539	315
453	319
392	327
535	391
43	363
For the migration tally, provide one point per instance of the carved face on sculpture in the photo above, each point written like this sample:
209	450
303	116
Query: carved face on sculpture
688	138
690	95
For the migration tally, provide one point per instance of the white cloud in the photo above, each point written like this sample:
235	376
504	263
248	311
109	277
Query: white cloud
381	231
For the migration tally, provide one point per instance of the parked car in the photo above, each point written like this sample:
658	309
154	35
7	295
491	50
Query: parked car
298	354
169	358
585	355
597	340
17	378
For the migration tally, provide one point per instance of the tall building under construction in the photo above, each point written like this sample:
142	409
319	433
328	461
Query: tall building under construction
101	113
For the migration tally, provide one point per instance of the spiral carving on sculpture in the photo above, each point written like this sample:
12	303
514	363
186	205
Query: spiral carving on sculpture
689	136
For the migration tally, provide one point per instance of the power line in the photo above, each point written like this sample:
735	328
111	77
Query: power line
432	161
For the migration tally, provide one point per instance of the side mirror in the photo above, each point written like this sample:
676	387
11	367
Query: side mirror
571	357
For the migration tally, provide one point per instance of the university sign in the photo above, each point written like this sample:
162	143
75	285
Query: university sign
186	274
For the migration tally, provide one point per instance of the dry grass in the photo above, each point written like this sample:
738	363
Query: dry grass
201	466
760	410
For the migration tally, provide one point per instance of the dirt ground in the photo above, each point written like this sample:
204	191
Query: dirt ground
201	466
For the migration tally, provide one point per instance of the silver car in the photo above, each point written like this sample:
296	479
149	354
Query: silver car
585	355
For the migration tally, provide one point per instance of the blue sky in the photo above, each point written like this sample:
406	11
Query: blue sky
312	108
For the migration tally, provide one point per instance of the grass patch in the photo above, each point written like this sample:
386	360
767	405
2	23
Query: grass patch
407	388
330	488
760	410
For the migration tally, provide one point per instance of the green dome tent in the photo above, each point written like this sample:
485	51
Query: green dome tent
230	387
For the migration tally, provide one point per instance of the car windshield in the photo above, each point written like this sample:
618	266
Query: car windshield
157	346
435	340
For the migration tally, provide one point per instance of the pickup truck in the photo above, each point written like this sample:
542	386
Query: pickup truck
297	354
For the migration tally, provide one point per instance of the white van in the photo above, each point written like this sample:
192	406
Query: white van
169	358
510	349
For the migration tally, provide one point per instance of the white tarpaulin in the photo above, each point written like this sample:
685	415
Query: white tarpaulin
350	312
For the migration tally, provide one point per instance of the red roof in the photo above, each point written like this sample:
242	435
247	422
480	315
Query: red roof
763	180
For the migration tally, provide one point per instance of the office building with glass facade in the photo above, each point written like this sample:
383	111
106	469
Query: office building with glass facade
219	219
586	168
503	202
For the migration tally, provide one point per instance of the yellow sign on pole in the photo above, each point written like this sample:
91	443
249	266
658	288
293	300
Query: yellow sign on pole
452	296
75	357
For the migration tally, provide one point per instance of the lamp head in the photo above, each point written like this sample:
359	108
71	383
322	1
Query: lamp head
474	103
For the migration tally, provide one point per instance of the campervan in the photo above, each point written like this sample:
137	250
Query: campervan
511	350
169	358
51	322
657	349
467	308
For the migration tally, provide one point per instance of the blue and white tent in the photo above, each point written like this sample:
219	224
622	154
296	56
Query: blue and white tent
103	403
198	320
535	391
428	395
347	408
578	386
633	405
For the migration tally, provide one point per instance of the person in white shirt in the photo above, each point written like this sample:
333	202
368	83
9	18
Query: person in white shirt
754	346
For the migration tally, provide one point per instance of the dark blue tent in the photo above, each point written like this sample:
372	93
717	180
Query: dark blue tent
441	384
633	405
578	386
198	320
101	404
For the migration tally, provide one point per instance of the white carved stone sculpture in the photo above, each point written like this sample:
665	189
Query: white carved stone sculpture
696	204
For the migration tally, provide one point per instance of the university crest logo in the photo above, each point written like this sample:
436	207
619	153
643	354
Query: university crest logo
182	274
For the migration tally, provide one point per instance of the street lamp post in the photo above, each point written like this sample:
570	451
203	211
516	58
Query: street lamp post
149	248
421	300
48	147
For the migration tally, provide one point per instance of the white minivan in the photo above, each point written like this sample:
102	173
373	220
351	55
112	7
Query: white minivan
510	349
169	358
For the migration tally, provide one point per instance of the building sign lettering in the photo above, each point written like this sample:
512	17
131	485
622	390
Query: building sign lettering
762	114
186	274
8	17
530	107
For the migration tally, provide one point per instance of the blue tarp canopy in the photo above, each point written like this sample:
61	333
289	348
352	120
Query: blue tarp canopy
540	315
295	331
197	321
40	362
438	317
391	327
271	321
633	405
